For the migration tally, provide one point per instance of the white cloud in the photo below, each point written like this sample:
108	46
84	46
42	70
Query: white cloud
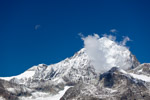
37	26
125	40
97	56
81	35
113	30
111	37
105	53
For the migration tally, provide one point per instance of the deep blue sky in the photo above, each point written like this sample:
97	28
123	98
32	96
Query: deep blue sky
46	31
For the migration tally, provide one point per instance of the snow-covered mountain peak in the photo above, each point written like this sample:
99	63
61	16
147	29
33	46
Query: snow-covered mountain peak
80	66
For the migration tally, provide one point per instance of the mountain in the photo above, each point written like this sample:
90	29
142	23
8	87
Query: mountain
77	74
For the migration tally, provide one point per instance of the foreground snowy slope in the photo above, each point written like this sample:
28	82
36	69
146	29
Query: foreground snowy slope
51	79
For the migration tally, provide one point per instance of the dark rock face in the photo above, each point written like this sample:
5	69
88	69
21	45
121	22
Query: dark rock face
112	85
135	62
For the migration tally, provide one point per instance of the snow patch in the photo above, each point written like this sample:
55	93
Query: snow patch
140	70
12	90
141	77
121	70
111	90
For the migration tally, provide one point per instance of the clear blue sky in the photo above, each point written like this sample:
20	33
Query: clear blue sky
46	31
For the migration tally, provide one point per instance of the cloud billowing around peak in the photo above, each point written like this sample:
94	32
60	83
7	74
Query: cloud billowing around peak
105	53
